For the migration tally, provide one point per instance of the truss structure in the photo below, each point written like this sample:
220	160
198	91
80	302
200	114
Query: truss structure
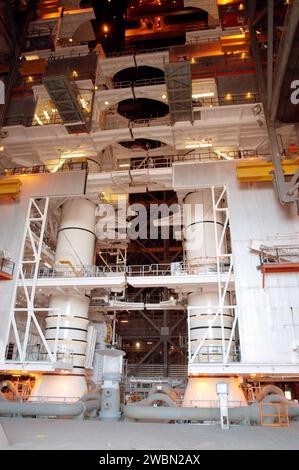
25	322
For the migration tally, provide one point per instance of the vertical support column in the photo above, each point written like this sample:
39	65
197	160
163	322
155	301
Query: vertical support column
270	32
222	392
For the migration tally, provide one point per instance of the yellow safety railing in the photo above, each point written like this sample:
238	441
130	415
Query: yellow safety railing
274	414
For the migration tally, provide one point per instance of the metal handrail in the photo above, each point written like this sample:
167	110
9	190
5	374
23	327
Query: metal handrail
132	51
207	354
140	82
37	352
163	269
70	166
279	255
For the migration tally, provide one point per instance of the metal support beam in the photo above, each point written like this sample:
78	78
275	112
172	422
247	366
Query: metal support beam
286	191
150	321
286	42
148	354
270	53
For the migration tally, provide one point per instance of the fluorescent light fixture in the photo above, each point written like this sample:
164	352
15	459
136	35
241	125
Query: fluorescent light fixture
208	94
198	146
124	321
124	165
48	265
206	145
73	155
31	57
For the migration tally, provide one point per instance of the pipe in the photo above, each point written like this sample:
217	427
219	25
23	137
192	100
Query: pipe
154	397
268	390
164	388
248	414
79	408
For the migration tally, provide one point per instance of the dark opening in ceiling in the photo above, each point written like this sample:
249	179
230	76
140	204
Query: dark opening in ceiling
142	108
133	74
145	144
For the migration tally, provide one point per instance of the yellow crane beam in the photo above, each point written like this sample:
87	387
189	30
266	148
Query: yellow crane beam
10	187
253	170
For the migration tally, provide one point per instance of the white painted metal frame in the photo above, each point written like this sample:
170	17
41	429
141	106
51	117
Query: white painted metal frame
37	214
218	195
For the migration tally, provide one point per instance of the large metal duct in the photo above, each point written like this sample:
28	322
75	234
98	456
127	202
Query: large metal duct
88	403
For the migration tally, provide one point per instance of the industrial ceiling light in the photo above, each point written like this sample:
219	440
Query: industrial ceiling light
208	94
2	148
106	103
31	57
164	96
199	145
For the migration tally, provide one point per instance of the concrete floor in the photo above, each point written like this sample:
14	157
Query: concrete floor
65	434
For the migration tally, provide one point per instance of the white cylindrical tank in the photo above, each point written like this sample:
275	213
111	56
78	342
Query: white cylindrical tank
67	326
76	235
201	320
199	229
201	239
70	328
